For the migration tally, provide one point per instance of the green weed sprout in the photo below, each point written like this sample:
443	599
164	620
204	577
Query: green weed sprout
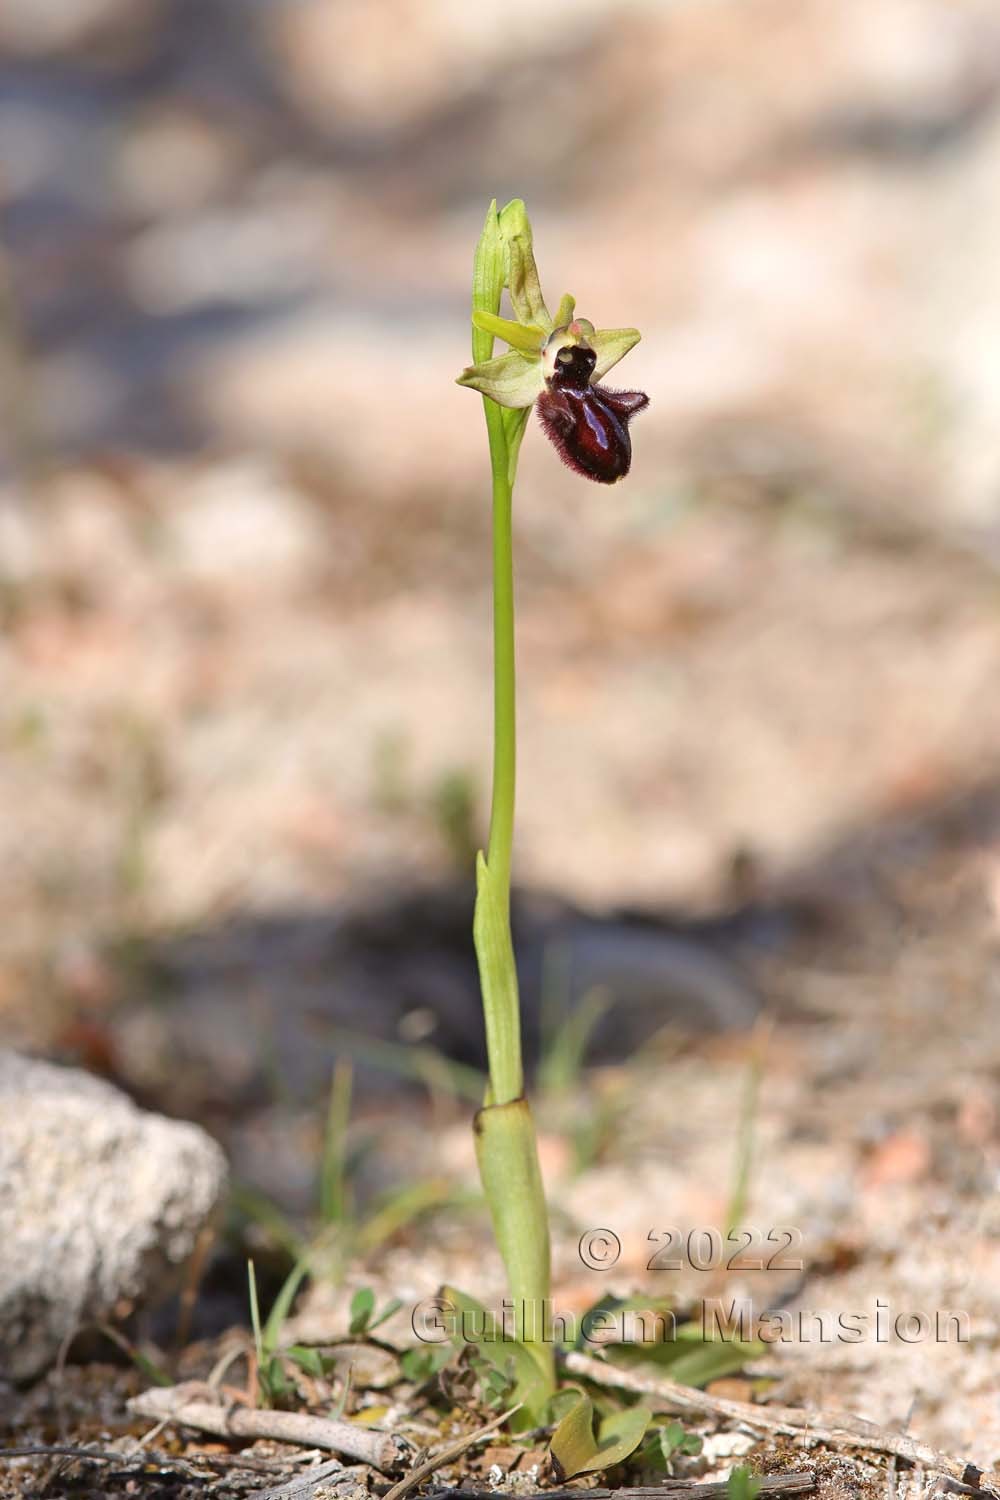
554	364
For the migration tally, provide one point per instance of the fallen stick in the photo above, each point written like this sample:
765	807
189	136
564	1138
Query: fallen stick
62	1450
191	1403
330	1475
777	1485
839	1429
131	1461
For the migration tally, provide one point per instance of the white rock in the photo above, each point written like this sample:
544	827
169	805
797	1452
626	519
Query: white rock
99	1203
719	1450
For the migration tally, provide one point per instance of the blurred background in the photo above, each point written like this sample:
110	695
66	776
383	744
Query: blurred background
245	683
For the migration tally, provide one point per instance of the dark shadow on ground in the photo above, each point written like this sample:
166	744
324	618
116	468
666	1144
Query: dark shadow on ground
261	1007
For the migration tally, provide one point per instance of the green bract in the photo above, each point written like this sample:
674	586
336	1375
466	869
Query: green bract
517	378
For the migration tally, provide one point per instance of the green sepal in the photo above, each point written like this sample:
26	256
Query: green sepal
527	337
610	345
522	273
574	1449
508	379
488	275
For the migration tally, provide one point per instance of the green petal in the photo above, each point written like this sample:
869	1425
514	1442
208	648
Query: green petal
522	273
509	379
527	337
566	309
611	345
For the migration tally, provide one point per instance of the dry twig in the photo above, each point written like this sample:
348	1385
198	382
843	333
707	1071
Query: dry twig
63	1450
777	1486
194	1404
331	1475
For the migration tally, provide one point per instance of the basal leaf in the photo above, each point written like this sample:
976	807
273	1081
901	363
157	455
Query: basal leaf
574	1449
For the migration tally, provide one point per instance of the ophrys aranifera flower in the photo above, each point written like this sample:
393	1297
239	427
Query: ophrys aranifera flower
557	364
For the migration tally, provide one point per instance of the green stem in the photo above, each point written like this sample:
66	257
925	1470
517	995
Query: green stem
498	973
505	1137
498	976
498	855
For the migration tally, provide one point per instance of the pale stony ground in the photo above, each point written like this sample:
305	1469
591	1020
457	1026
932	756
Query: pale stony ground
244	559
875	1137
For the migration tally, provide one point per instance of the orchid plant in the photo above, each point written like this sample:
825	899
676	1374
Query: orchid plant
554	364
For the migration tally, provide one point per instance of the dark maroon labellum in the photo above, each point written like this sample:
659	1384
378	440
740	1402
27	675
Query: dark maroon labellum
588	423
